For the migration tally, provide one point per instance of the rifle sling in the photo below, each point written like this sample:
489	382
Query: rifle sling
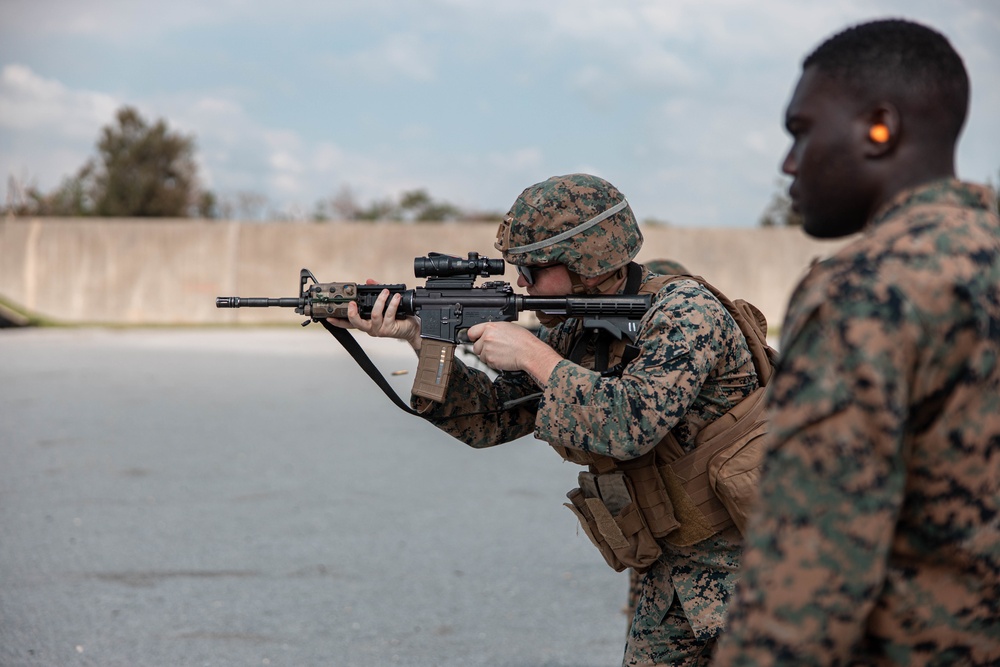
345	338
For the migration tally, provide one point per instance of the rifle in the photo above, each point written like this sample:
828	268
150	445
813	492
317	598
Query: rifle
447	305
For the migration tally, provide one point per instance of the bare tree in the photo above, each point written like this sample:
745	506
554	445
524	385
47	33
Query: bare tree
779	211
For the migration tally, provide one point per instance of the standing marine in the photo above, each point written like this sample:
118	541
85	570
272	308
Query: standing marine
877	535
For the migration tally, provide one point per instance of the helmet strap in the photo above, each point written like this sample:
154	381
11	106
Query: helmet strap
579	287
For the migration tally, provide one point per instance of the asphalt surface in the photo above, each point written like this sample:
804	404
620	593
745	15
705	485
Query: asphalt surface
249	497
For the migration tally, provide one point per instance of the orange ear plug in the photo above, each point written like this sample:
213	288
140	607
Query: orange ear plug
879	133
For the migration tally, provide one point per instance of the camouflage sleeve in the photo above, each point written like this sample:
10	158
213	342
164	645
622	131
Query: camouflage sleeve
473	411
834	479
681	340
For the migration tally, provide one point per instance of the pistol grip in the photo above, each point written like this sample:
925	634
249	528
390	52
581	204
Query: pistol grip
434	369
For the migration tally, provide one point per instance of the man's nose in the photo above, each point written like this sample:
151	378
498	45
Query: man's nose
790	166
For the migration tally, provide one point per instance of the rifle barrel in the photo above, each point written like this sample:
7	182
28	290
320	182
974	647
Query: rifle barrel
256	302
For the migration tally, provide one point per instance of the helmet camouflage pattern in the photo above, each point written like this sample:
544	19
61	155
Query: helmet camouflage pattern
578	220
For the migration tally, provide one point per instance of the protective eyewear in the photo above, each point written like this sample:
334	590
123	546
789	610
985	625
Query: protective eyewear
530	273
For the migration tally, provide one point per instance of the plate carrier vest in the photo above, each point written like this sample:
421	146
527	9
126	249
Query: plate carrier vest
681	498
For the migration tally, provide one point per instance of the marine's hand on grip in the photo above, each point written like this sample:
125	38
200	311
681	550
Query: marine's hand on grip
506	346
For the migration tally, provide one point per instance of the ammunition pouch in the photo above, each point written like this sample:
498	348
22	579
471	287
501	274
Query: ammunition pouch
624	512
613	511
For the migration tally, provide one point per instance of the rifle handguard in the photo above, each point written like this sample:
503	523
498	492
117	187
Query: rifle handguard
434	369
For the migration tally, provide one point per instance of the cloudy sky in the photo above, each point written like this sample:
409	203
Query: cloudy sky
677	102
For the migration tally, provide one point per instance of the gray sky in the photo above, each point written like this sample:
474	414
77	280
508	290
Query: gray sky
678	103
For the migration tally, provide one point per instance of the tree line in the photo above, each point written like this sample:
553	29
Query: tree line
146	170
140	170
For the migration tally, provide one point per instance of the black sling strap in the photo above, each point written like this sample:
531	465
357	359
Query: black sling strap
345	338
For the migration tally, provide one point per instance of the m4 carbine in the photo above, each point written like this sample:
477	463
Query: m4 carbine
448	305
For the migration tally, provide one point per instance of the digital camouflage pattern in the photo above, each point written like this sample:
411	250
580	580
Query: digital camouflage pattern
663	267
560	204
877	535
693	367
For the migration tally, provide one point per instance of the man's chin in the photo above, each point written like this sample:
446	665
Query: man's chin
817	227
820	228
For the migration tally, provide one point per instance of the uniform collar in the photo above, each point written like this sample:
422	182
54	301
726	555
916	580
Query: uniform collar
945	191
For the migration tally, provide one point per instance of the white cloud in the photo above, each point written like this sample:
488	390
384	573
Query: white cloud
115	19
48	130
29	102
327	157
520	159
239	154
640	70
399	56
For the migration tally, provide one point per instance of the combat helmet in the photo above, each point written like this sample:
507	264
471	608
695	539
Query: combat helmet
578	220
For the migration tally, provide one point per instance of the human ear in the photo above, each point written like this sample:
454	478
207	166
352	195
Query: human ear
882	127
879	133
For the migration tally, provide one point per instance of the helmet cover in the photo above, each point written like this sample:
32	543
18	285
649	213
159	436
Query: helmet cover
578	220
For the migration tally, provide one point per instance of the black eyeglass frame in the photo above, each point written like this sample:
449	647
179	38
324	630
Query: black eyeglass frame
528	272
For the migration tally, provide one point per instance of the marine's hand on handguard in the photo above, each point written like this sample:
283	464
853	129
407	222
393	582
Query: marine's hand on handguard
383	322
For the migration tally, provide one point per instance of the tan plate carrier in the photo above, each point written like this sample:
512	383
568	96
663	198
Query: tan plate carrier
681	498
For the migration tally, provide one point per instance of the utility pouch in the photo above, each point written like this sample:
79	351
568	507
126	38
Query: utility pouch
734	471
715	485
652	495
606	505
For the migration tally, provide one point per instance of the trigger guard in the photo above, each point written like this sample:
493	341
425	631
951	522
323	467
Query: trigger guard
463	337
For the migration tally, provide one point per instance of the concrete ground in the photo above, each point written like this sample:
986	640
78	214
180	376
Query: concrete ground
249	497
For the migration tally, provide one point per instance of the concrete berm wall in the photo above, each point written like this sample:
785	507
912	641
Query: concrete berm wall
121	271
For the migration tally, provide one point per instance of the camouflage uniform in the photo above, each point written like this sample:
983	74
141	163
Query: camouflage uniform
693	366
661	267
877	537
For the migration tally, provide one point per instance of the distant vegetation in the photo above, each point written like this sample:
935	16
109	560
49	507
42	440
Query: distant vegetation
145	170
141	170
411	205
779	211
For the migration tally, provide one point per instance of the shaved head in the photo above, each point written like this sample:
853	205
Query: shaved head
901	62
